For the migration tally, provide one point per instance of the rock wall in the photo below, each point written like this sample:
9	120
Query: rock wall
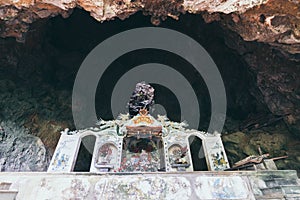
275	72
17	15
270	21
21	151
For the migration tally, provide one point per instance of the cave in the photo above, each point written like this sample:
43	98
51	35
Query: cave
39	61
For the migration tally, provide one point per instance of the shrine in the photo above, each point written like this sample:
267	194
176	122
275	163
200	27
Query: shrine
140	144
139	156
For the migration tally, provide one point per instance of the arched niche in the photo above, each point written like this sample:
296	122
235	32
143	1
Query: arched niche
178	156
85	153
107	157
197	153
174	153
142	154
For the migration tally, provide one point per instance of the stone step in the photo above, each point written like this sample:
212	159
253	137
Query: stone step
281	182
271	198
275	192
8	194
281	197
4	185
280	192
277	174
292	197
291	191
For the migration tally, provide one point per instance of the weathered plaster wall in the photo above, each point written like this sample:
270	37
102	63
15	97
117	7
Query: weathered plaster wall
201	185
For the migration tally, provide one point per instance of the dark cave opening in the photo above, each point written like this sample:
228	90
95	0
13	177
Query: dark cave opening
81	34
37	77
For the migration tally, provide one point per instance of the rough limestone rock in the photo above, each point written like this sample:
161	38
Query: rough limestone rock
272	21
21	151
277	142
273	143
33	109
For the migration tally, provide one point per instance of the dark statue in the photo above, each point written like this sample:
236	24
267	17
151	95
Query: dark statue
142	97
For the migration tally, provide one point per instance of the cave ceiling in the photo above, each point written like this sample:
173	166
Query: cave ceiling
276	22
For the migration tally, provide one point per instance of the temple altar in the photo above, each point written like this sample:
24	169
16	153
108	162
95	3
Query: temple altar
140	144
